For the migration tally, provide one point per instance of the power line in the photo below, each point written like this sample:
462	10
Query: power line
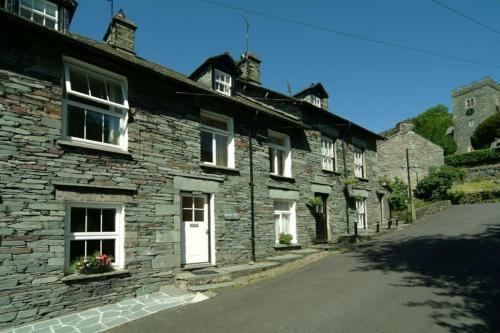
466	16
351	35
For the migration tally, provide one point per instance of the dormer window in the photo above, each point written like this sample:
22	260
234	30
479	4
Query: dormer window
316	101
40	11
222	82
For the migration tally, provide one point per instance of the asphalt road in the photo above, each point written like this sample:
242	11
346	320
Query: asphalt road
442	275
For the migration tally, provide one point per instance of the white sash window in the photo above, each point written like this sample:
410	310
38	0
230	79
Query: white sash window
284	219
223	82
361	212
95	106
40	11
217	139
328	154
359	163
280	160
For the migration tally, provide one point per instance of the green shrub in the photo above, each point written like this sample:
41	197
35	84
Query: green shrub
398	199
436	184
478	157
351	181
486	132
286	239
314	202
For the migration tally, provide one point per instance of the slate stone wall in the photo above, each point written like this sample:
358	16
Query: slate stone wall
40	173
423	154
487	101
491	171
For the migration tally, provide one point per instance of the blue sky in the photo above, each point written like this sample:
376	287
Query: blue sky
373	85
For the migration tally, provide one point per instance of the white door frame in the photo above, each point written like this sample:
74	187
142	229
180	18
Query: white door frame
211	227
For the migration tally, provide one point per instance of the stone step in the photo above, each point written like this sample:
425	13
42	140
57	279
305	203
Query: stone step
202	277
240	270
284	258
211	286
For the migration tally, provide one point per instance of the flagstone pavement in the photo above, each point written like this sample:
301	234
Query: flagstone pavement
111	315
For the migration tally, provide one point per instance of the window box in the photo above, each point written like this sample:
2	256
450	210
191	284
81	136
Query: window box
121	273
216	140
95	106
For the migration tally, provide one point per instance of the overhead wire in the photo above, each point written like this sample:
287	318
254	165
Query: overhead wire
350	35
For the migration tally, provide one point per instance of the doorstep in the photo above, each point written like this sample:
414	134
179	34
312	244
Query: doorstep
112	315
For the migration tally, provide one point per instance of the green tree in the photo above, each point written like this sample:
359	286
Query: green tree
432	125
486	132
398	199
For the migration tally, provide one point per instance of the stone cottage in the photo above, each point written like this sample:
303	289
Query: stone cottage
472	104
102	151
422	154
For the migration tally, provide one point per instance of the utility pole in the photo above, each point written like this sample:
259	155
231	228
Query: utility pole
412	207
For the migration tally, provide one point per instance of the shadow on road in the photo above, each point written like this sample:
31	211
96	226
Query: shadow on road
465	266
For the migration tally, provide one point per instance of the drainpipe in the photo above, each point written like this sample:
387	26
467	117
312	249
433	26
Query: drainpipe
252	197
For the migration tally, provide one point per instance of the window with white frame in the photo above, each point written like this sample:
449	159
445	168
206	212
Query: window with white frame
361	212
359	163
95	106
216	141
223	82
94	229
284	219
280	162
470	102
316	101
40	11
328	154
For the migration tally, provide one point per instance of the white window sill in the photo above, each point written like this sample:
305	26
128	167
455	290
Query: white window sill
218	167
75	144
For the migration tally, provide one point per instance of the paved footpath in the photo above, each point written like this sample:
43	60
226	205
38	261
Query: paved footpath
442	275
108	316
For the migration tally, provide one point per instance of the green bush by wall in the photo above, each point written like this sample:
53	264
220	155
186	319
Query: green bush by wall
474	158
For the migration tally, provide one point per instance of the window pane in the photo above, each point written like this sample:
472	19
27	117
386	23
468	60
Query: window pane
27	3
26	13
97	87
277	140
93	247
282	206
108	247
50	9
50	23
94	126
187	215
213	122
221	149
199	215
93	220
281	162
206	147
76	250
77	219
187	202
39	5
271	160
78	81
108	220
76	121
111	129
38	18
199	202
115	92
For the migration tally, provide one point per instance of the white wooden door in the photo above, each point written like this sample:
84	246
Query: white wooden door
195	229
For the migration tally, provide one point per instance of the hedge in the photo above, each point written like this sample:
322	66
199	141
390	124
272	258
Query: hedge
474	158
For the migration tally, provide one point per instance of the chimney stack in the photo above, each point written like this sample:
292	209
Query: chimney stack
249	64
121	33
